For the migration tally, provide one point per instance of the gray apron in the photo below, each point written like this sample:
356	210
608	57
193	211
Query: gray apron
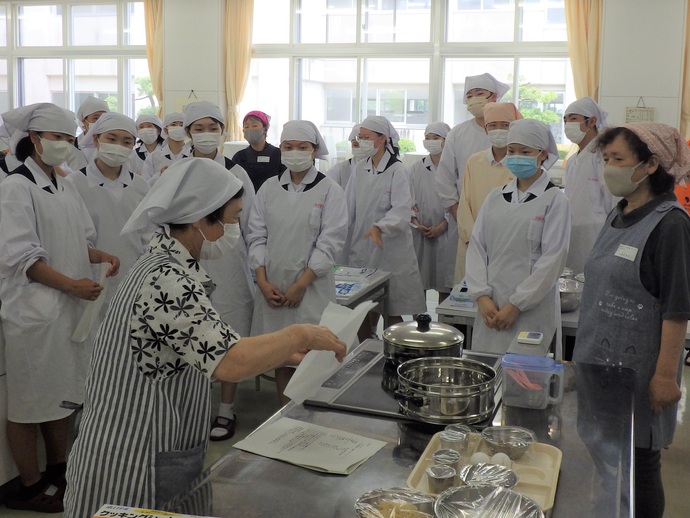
620	321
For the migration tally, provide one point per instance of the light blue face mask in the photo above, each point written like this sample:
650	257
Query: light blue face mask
522	166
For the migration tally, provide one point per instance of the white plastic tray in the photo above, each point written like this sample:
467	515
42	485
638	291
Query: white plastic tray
537	470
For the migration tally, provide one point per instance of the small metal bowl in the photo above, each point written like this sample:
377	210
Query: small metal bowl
469	501
571	294
488	475
514	441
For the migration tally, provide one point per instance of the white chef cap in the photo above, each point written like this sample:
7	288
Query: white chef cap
380	124
187	191
589	108
305	131
112	121
487	82
173	117
37	117
535	134
200	110
89	106
437	128
150	117
354	133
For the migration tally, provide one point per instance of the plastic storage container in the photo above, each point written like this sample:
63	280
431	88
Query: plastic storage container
531	381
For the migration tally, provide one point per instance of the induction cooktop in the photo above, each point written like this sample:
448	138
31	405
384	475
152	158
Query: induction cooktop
366	383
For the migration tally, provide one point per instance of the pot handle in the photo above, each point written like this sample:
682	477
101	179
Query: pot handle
409	398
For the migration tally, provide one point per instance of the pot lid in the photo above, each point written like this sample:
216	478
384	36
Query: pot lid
423	334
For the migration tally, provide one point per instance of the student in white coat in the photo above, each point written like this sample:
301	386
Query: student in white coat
466	138
518	246
590	199
233	297
45	261
88	113
297	229
149	139
175	148
111	192
434	240
341	172
379	204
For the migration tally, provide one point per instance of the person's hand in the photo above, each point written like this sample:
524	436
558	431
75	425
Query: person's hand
114	264
320	338
420	228
296	358
294	294
487	309
437	230
506	317
274	297
663	393
85	289
375	234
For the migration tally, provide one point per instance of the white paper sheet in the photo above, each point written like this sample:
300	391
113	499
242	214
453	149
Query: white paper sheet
93	309
318	366
311	446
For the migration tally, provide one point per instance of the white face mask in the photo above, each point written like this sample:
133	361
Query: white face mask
619	179
573	132
147	135
206	143
434	147
476	106
297	160
176	133
55	152
216	249
367	148
113	155
498	137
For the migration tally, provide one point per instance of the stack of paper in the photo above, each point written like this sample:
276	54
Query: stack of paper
311	446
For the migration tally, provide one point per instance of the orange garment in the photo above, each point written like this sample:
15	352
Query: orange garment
683	195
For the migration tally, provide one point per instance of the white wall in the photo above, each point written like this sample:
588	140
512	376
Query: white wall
642	56
194	56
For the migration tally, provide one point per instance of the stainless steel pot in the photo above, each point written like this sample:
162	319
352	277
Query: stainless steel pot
420	339
446	390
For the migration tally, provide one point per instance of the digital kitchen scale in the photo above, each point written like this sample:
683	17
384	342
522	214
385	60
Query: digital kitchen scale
366	383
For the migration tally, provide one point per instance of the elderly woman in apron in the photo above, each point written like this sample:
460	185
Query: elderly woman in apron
636	300
379	203
146	417
45	260
518	246
297	228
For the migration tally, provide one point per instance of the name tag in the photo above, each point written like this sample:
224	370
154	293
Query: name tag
626	252
263	158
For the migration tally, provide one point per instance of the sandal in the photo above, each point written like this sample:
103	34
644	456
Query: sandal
49	500
222	428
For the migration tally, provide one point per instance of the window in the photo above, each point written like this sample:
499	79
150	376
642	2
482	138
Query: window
65	51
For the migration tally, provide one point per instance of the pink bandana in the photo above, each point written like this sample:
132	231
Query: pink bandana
265	119
667	144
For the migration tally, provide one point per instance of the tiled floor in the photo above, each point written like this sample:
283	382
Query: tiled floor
254	407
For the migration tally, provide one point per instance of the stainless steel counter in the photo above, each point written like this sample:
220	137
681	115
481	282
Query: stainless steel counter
592	426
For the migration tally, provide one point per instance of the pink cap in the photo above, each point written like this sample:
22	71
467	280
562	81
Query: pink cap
265	119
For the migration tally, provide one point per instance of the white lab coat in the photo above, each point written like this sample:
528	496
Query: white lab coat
110	204
381	197
39	221
341	172
462	141
516	254
590	202
160	158
139	155
436	257
293	228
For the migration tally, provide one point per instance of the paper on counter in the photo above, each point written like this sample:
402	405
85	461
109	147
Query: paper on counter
318	366
93	308
311	446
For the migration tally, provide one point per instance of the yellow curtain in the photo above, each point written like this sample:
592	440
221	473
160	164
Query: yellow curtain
153	14
685	99
583	20
239	16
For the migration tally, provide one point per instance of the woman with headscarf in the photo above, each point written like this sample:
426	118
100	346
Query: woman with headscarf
518	246
590	199
149	139
340	173
88	113
636	299
45	263
434	243
174	148
145	426
111	192
379	203
484	172
297	229
260	159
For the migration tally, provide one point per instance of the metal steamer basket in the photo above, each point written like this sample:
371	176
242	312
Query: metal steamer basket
421	339
446	390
